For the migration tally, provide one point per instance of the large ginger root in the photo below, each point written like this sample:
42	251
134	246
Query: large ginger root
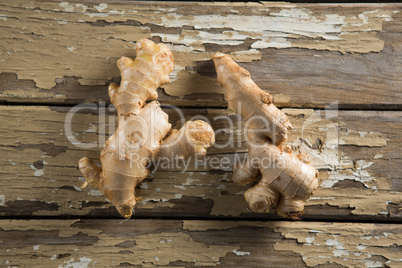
141	129
287	180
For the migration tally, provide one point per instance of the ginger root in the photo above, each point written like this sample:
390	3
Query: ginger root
141	129
287	180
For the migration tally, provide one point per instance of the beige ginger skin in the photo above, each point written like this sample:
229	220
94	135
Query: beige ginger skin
287	180
141	129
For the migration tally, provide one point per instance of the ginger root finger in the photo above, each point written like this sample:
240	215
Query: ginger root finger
192	140
90	171
141	77
287	180
247	99
245	172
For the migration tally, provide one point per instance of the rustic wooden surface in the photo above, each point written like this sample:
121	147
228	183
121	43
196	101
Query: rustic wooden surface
334	69
302	53
188	243
360	176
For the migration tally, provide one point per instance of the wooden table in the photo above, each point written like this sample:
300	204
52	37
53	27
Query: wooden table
334	69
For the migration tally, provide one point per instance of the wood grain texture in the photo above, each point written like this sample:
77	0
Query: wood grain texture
323	64
176	243
356	152
306	55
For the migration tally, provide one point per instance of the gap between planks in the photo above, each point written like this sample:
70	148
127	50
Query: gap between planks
380	108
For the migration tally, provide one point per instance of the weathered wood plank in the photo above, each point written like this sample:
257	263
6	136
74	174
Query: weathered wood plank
306	55
150	243
356	152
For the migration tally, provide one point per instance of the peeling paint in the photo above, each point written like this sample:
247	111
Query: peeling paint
361	138
285	26
278	25
246	55
240	253
341	243
95	192
360	174
82	263
278	28
37	172
195	39
66	6
78	189
143	185
160	248
101	7
336	167
177	246
150	243
2	200
171	189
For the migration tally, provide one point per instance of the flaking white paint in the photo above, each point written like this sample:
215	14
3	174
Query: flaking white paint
82	263
360	175
2	200
101	7
189	181
94	192
181	187
310	239
372	264
240	253
286	22
337	246
361	247
66	6
37	172
77	188
273	30
143	185
365	16
83	7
